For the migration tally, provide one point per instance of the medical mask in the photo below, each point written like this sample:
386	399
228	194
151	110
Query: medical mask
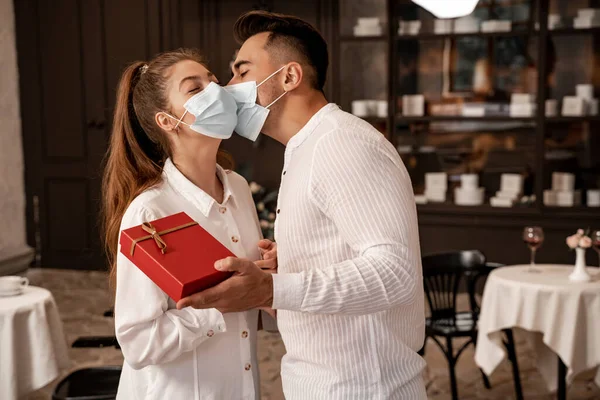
215	110
251	115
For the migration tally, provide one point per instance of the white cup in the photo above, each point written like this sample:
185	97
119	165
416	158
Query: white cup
551	107
12	283
593	198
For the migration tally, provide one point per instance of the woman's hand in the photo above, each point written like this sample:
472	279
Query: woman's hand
268	251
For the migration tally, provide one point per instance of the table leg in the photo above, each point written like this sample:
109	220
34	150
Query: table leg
561	393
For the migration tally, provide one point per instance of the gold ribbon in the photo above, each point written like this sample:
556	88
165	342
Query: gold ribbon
153	234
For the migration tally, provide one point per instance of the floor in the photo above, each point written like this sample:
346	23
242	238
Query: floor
82	298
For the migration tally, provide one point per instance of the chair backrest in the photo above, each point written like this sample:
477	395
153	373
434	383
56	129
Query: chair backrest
442	275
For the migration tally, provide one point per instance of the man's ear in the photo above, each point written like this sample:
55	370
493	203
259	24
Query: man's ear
165	122
293	76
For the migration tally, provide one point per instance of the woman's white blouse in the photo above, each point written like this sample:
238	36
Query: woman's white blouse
187	354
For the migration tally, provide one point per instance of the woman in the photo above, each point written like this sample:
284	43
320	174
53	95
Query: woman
163	160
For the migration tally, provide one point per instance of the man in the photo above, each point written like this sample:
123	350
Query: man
349	291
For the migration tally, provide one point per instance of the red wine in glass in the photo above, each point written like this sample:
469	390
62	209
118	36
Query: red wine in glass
533	236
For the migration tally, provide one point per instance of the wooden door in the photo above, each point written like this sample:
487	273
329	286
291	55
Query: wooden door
71	54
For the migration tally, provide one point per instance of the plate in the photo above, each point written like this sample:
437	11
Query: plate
10	293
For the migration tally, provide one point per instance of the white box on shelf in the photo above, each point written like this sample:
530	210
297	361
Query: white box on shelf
468	197
522	98
554	21
573	106
473	110
409	27
436	181
512	183
551	108
437	196
568	199
501	202
368	21
518	110
586	22
496	25
507	195
443	26
364	31
563	182
550	198
372	107
593	198
467	24
420	199
360	108
588	12
413	105
469	181
585	91
382	108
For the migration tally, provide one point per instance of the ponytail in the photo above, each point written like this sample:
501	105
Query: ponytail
132	166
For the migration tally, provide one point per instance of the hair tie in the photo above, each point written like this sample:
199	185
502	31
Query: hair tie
143	69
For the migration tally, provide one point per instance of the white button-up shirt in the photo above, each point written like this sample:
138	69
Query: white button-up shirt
187	354
349	289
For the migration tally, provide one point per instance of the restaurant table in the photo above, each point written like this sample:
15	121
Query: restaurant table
562	317
33	349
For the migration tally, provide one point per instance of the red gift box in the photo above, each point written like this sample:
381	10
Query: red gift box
175	253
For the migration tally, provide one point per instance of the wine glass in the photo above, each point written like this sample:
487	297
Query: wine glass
533	236
595	236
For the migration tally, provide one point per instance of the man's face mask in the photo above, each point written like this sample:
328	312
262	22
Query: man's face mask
215	110
251	115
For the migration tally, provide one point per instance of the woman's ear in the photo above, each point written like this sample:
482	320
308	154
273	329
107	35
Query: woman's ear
166	122
293	76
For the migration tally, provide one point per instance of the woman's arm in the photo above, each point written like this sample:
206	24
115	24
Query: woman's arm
148	332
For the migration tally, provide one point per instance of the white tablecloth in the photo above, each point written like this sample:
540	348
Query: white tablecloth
33	350
562	316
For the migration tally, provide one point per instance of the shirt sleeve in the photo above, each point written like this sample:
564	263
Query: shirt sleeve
148	332
361	185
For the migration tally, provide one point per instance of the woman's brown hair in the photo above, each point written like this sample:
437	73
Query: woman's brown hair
138	146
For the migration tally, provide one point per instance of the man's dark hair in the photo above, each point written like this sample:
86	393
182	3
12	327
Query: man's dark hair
288	36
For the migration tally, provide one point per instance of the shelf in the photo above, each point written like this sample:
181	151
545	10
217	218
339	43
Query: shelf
375	120
440	118
347	38
587	118
591	213
485	209
573	31
433	36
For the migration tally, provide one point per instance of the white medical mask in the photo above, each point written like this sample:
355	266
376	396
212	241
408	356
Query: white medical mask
251	115
215	110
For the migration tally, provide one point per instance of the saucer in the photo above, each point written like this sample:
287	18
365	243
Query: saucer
10	293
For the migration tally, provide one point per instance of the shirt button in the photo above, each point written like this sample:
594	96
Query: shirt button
222	210
278	211
244	334
284	172
247	367
210	333
235	239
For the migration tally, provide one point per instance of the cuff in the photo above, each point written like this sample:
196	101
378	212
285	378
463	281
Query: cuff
288	291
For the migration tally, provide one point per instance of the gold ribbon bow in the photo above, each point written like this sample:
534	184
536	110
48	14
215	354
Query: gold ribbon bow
153	234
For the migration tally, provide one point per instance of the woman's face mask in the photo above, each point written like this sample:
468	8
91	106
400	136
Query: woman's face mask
251	115
215	111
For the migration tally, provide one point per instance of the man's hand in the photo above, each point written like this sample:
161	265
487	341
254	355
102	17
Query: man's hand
248	288
268	250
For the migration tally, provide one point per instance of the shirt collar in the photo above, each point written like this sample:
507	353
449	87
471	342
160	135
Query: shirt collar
193	193
310	126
